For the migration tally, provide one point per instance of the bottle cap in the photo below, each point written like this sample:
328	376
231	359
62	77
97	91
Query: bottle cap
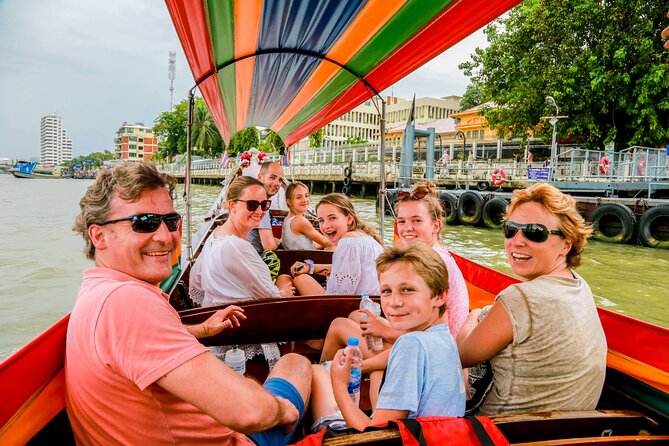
353	342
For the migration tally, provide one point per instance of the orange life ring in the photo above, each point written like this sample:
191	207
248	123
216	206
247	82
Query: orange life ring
641	167
498	176
604	164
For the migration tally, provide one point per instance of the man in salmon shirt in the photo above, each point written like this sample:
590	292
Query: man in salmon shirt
134	373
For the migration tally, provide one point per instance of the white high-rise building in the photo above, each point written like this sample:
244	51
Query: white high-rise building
55	146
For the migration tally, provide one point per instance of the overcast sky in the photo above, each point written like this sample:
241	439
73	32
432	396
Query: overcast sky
99	63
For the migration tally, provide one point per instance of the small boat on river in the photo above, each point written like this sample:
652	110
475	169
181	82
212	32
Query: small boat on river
25	169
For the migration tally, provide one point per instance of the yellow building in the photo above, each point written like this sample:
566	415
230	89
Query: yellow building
473	124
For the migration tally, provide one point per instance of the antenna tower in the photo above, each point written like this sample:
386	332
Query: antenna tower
171	71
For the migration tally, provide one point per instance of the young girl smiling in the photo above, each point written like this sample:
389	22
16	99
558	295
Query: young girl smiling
357	247
298	232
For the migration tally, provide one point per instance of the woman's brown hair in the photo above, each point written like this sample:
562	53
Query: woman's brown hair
238	185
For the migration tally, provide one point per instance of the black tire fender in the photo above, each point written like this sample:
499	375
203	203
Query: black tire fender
450	204
347	181
347	171
613	223
482	185
654	227
470	207
493	213
344	190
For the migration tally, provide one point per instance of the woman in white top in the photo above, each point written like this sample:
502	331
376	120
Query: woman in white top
357	246
229	268
298	232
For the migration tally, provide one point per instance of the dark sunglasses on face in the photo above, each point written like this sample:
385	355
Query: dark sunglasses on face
252	205
534	232
416	195
147	223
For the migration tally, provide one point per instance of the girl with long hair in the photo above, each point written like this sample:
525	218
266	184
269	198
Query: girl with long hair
298	232
356	248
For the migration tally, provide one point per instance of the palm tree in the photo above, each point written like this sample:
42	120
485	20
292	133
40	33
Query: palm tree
205	134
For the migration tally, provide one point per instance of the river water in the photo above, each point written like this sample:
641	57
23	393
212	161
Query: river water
43	259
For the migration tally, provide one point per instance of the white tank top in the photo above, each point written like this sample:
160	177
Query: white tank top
290	240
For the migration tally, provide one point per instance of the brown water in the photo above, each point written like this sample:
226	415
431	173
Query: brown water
42	259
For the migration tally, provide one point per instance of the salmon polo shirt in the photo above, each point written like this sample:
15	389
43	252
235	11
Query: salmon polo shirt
122	337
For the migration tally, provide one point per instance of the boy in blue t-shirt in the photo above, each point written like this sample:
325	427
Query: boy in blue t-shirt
424	376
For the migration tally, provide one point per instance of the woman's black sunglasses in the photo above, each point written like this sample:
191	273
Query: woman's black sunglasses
534	232
147	223
416	195
252	205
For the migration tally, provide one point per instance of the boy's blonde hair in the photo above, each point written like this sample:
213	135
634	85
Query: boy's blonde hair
425	262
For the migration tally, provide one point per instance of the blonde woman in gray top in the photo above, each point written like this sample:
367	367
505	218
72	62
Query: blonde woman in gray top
543	337
298	232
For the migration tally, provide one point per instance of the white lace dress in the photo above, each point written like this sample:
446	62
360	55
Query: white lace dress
354	266
229	270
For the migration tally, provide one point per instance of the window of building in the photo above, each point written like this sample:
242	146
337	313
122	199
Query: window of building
132	146
469	134
133	138
132	155
475	134
149	131
482	134
141	139
127	130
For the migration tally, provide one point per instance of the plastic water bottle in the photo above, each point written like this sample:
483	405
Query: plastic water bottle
374	343
356	369
236	360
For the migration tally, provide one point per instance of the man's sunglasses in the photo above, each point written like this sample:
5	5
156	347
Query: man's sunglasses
252	205
147	223
416	195
534	232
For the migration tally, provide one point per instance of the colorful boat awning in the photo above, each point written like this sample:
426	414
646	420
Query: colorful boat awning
295	65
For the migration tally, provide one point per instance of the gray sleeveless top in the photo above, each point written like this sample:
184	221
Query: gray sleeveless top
291	241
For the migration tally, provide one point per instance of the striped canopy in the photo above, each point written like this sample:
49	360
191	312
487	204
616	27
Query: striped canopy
296	65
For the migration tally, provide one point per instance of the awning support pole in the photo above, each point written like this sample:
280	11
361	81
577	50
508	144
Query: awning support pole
382	170
189	126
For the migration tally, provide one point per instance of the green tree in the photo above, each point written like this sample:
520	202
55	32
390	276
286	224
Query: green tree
473	96
205	138
603	62
97	159
170	129
271	143
244	140
316	138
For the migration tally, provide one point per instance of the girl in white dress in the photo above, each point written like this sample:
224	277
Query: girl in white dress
356	248
298	232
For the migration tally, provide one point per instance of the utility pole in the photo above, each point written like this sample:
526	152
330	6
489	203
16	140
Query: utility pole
171	74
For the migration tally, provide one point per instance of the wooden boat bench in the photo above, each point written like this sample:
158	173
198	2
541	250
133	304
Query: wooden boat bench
576	426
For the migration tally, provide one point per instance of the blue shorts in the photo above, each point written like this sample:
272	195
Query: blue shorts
276	436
